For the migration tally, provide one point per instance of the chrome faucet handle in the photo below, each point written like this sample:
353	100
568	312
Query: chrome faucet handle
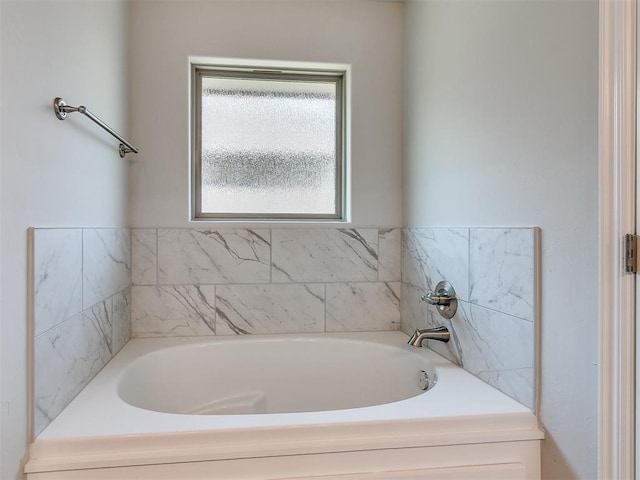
444	298
435	298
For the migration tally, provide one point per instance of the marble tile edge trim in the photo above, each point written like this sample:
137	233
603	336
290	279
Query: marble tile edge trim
537	318
31	341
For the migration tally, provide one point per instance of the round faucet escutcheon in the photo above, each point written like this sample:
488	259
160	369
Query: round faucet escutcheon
443	298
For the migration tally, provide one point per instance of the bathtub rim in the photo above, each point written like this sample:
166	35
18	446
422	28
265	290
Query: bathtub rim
59	452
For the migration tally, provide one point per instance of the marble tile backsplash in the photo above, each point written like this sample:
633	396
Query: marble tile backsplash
189	256
493	271
243	281
94	289
81	310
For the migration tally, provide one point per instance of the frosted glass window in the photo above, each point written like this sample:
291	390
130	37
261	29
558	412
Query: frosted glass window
269	145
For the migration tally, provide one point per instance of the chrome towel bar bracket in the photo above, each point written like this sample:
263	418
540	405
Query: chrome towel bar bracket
61	110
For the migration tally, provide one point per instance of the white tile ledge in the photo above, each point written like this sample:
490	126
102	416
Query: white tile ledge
126	450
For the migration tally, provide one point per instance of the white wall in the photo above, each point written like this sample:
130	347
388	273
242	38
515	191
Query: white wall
163	34
501	130
53	173
2	402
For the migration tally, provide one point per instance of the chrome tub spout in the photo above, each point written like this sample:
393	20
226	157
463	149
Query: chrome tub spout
438	333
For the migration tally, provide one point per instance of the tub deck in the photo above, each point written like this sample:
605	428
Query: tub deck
99	430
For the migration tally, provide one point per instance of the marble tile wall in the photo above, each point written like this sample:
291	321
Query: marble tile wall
493	271
81	300
93	289
242	281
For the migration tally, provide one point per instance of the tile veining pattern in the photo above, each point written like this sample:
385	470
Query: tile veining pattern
81	311
243	281
493	272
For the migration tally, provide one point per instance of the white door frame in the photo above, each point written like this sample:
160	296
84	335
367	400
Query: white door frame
617	216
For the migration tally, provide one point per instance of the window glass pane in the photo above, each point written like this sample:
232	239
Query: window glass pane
268	146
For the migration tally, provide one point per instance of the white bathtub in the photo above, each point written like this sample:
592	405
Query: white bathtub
296	406
268	375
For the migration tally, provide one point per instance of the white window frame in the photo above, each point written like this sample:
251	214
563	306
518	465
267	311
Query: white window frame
201	67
